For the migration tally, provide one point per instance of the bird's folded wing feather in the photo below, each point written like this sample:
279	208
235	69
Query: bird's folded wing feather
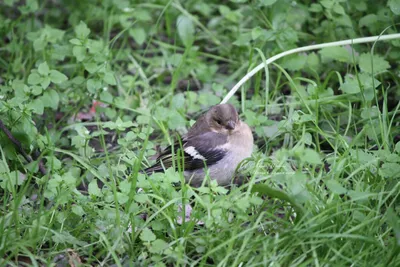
198	151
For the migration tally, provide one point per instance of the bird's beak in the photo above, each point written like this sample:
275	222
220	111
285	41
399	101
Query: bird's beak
231	125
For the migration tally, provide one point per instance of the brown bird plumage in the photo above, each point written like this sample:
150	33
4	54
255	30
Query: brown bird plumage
218	140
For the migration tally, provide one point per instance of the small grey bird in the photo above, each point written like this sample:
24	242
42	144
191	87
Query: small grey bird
218	140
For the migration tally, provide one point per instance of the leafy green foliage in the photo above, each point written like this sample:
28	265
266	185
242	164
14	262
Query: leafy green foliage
93	89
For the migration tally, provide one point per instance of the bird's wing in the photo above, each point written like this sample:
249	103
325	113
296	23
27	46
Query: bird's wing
199	127
206	148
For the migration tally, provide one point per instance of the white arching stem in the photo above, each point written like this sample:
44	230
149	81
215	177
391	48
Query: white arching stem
306	48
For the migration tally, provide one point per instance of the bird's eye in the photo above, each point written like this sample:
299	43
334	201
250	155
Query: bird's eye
218	121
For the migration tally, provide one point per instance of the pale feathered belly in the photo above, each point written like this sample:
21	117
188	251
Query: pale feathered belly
239	147
222	171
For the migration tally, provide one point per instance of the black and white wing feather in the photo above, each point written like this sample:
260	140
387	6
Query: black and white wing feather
205	149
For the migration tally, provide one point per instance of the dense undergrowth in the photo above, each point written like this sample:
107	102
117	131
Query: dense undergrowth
91	90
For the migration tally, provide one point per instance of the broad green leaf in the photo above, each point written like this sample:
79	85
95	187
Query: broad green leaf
313	61
256	200
229	14
95	46
175	59
29	7
335	53
94	189
53	35
34	78
203	8
369	112
138	34
175	120
65	238
289	35
17	178
141	198
344	21
337	8
178	101
110	124
141	14
295	62
78	210
311	156
79	52
109	78
243	39
122	198
37	106
36	90
314	7
125	187
43	69
143	119
266	2
256	32
373	64
39	44
262	34
69	179
171	176
57	77
361	6
105	96
19	87
208	99
4	167
327	3
75	41
369	84
363	157
45	82
243	204
394	6
147	235
299	192
158	246
53	163
352	84
93	85
78	80
186	30
397	147
390	170
91	67
82	31
60	52
119	124
368	20
50	99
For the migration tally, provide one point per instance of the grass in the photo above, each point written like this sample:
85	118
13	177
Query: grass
323	182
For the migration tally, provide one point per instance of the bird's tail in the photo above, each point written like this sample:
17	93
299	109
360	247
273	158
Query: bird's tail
154	168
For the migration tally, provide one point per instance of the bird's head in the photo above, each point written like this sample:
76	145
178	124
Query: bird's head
223	118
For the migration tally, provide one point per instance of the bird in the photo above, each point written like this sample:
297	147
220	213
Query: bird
217	142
